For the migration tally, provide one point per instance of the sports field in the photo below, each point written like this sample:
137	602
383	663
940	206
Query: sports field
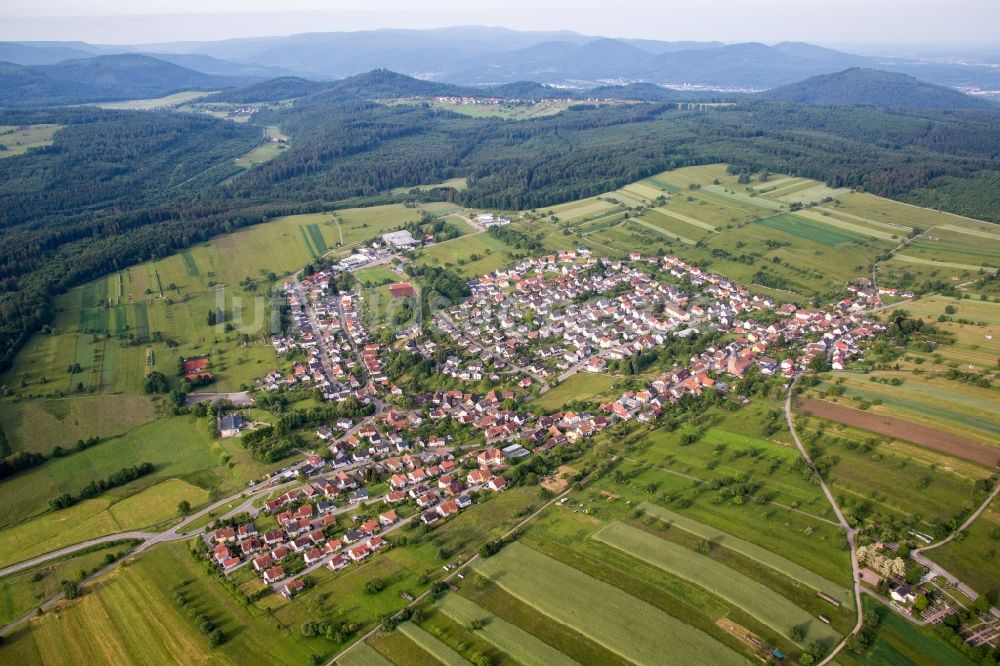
602	612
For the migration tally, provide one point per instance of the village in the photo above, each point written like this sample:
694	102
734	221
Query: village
535	324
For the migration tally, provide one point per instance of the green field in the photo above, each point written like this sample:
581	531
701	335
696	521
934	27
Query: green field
433	645
19	139
581	386
179	447
147	509
769	607
40	425
169	101
600	611
458	254
377	275
364	655
753	551
899	643
510	639
132	617
21	592
974	556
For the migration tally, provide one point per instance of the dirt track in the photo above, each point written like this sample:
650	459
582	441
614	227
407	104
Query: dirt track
938	440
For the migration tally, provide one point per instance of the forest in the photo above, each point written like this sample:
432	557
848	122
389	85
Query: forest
120	187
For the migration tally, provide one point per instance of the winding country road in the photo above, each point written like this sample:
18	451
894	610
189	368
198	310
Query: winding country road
850	531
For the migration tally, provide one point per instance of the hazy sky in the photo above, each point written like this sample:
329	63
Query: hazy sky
818	21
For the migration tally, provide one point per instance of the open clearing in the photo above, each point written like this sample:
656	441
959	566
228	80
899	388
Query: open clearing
600	611
753	551
167	102
581	386
41	425
19	139
911	432
769	607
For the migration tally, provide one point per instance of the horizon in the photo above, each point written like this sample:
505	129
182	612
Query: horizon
891	27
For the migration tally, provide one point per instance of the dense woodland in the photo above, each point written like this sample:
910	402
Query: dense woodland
121	187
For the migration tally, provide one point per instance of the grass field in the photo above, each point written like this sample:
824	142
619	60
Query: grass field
180	449
769	607
169	101
899	643
510	639
364	655
600	611
753	551
433	645
97	517
975	556
40	425
21	592
19	139
132	617
458	254
581	386
377	275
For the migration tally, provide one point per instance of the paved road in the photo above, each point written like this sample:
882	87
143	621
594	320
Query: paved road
855	567
240	399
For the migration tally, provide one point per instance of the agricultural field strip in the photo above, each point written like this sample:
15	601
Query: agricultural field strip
742	591
940	264
809	194
364	655
970	232
888	226
744	198
847	226
511	639
753	551
684	218
780	183
924	397
643	190
668	234
602	612
434	645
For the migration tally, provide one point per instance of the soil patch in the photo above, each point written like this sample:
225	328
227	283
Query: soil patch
954	445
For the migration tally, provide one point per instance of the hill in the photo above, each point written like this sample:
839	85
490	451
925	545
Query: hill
476	55
100	79
870	87
288	87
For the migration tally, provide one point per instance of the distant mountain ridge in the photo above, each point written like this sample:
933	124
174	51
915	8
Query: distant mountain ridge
471	55
102	78
869	87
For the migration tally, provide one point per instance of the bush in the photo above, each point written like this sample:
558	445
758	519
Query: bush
374	586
